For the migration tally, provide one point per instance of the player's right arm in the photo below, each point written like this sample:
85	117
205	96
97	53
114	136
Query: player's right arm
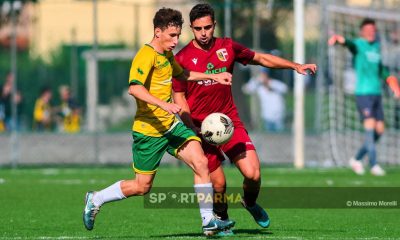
339	39
141	66
224	78
140	92
336	38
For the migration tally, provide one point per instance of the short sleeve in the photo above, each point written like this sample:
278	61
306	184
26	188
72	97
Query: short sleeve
243	54
141	66
351	45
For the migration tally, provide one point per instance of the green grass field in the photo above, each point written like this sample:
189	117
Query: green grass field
47	204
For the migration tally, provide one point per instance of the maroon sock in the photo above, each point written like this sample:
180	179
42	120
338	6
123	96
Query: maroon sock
250	196
220	206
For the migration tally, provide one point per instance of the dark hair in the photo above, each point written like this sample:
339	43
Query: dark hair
367	21
166	17
201	10
44	89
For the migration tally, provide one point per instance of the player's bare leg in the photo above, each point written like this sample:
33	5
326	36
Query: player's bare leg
118	191
192	154
141	185
249	165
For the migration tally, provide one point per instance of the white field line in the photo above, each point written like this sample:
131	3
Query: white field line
259	236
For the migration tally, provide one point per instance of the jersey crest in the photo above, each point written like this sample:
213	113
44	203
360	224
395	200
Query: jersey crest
222	54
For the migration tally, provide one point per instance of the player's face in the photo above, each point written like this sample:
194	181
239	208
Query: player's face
203	30
368	32
169	37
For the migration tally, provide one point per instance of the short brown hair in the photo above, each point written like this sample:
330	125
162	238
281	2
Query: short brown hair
201	10
166	17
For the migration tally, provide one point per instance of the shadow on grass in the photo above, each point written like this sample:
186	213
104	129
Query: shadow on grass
237	232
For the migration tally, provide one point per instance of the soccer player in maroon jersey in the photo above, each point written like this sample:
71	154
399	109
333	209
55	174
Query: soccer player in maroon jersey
206	53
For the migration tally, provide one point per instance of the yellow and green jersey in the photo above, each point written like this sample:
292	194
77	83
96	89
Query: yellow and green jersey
41	111
154	71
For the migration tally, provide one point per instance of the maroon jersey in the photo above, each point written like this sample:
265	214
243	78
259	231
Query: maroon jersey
208	96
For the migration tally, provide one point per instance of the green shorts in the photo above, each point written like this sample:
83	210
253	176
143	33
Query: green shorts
147	151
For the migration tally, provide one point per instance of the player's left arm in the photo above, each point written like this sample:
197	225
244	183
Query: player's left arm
271	61
391	81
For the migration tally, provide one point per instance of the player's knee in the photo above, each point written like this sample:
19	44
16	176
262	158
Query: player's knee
219	185
253	175
143	189
200	164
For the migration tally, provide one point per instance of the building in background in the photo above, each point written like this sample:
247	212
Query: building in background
24	23
127	22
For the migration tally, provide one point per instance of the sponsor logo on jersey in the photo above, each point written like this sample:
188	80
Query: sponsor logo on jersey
215	71
207	82
373	56
222	54
194	60
167	81
163	65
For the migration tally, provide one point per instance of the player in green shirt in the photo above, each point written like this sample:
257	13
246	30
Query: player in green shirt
370	72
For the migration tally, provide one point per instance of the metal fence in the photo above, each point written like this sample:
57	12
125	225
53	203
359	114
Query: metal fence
115	148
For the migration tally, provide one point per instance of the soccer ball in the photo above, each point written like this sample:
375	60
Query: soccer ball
217	128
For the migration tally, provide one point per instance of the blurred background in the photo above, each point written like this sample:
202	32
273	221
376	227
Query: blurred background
64	67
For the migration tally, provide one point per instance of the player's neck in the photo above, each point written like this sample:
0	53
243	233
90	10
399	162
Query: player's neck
156	46
204	47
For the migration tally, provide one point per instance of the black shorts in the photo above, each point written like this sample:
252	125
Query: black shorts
370	106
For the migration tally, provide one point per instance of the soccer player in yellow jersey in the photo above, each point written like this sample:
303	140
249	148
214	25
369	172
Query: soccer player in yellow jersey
69	119
156	129
42	111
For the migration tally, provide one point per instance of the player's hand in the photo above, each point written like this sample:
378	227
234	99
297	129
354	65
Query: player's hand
171	108
224	78
393	83
304	68
336	39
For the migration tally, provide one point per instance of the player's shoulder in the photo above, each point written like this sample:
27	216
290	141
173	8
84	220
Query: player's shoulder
146	48
145	54
359	41
220	41
187	48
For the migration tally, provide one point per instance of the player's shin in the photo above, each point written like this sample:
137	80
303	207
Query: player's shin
109	194
220	206
251	190
205	195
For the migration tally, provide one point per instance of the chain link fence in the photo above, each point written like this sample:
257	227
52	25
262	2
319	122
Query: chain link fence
111	143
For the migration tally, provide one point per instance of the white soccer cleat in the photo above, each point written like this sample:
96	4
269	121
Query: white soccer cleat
377	171
357	166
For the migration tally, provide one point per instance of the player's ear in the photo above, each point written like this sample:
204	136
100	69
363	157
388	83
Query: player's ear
157	32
